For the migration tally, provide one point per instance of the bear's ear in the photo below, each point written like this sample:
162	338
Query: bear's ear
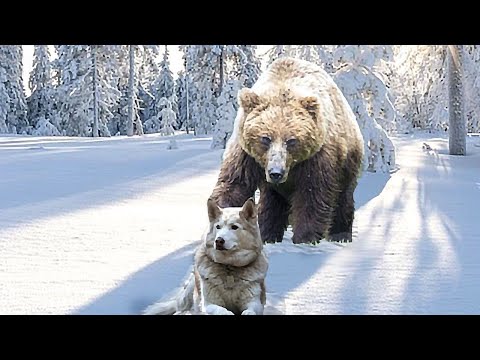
214	211
310	103
249	210
248	100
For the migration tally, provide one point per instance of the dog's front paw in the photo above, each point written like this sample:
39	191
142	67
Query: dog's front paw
248	312
217	310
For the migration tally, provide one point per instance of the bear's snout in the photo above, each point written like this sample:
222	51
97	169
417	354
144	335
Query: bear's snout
276	174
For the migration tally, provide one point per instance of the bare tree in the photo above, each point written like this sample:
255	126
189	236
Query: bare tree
456	129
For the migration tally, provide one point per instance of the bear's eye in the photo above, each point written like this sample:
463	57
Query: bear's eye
234	227
265	140
218	226
291	142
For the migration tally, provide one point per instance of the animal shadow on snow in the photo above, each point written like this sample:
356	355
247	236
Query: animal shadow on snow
145	286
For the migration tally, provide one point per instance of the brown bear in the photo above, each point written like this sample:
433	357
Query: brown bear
296	139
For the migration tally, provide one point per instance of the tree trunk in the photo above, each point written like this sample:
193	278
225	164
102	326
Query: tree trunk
131	93
95	91
221	73
186	95
456	129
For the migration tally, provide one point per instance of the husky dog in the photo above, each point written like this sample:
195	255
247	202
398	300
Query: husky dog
229	270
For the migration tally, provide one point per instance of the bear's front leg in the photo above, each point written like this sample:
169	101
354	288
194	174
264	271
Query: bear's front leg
272	214
314	200
238	179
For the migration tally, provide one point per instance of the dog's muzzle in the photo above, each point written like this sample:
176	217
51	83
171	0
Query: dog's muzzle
220	243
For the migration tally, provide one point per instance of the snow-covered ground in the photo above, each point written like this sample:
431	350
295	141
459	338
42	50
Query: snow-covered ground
108	226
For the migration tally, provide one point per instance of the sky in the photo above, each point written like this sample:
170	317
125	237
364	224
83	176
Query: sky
176	62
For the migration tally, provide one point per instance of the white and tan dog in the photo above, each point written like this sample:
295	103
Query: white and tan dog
229	268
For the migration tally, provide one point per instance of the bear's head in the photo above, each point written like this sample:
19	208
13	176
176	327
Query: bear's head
279	131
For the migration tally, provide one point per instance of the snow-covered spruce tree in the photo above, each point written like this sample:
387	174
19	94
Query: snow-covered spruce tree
4	102
87	90
208	67
169	118
164	85
41	100
307	52
368	97
471	86
226	112
45	128
148	69
250	66
419	86
456	131
154	123
180	91
146	72
278	51
202	67
11	57
184	97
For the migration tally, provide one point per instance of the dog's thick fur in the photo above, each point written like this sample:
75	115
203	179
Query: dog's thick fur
229	268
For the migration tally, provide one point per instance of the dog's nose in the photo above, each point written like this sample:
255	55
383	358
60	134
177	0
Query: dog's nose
219	242
276	175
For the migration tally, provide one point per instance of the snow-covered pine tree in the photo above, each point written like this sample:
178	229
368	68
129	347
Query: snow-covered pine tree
11	57
78	86
202	65
278	51
226	112
419	85
368	97
208	67
307	52
45	128
41	100
164	85
4	102
471	86
148	69
169	118
145	73
456	131
325	55
250	67
180	90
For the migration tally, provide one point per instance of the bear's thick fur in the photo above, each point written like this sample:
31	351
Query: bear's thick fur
295	138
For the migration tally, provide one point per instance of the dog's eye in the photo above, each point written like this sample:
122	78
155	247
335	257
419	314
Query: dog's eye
266	140
234	227
218	226
291	142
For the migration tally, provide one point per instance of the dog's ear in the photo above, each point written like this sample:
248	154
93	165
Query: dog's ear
214	211
249	209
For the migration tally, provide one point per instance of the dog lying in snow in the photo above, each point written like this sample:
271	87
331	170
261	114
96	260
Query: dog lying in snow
229	269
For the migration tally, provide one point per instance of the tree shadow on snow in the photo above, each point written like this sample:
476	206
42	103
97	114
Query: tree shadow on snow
429	231
63	182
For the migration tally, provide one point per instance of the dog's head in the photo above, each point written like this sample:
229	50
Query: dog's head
234	236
